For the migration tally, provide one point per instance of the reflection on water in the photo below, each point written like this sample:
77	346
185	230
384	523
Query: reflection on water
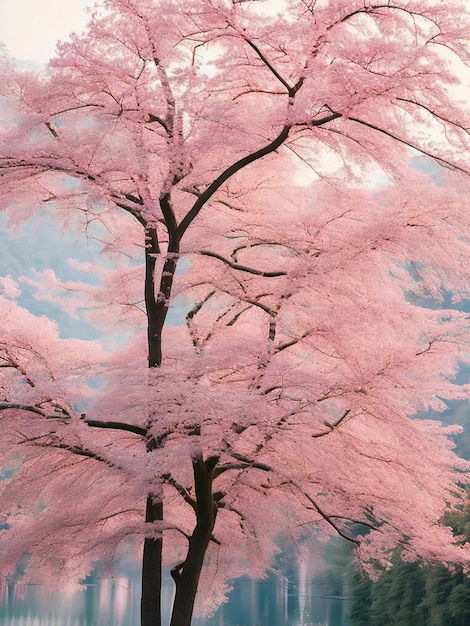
107	603
116	603
280	603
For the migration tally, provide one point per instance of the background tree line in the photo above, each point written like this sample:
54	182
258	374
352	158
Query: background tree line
409	593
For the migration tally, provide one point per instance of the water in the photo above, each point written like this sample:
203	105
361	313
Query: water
254	603
116	603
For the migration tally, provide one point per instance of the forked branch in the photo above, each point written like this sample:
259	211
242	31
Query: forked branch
51	441
331	426
328	518
243	464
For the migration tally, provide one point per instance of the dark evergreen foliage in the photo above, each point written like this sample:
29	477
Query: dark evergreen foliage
409	594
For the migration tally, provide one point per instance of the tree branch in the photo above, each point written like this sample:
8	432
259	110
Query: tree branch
137	430
291	91
130	209
54	442
82	452
228	173
246	463
31	409
434	114
242	268
327	518
331	426
439	160
184	493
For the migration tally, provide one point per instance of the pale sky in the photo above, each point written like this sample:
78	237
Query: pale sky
30	28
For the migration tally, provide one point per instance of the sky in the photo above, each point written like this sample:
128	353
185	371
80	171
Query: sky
30	36
36	247
31	28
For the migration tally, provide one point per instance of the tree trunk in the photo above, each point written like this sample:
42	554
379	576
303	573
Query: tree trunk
157	309
157	300
186	575
150	604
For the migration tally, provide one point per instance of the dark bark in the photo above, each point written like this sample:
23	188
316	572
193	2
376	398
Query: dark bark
186	575
150	605
157	303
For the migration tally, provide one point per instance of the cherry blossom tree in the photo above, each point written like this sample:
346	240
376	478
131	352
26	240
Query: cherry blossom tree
305	164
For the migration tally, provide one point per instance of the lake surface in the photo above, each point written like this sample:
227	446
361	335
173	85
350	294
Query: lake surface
116	603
